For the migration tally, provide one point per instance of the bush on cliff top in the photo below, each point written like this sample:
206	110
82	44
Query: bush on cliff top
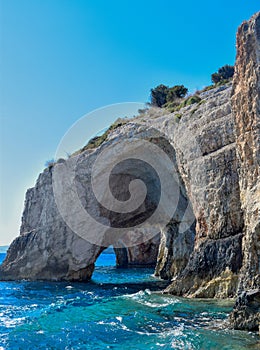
162	94
172	98
224	73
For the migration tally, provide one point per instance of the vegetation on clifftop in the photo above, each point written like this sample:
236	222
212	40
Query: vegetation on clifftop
170	98
224	73
173	98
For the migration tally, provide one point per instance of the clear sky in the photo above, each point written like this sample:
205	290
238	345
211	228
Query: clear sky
60	59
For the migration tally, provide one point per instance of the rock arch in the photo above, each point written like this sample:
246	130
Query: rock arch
47	249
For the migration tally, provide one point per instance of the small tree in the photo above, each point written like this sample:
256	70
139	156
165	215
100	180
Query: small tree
177	91
159	95
162	94
224	73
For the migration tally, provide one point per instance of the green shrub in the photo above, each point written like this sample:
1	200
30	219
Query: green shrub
162	95
210	87
176	92
207	88
159	95
95	141
201	102
224	73
177	105
171	106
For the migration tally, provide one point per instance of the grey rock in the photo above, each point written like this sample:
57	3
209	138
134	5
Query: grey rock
211	244
246	312
48	249
246	107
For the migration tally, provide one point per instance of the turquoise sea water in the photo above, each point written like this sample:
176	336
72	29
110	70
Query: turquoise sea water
117	310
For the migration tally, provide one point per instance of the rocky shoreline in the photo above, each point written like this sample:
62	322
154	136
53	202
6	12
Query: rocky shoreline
214	146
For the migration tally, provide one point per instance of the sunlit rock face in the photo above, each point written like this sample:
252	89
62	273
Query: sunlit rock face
209	244
49	248
246	107
202	238
226	256
206	155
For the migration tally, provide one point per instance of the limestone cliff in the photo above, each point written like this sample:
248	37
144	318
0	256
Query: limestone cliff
210	246
202	148
47	249
211	179
246	108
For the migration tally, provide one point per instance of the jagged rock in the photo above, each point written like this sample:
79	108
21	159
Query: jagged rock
48	249
229	204
144	254
207	178
220	287
246	107
204	141
214	148
174	251
209	261
140	255
246	312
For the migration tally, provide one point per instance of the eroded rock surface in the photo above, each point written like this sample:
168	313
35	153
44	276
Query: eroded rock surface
48	248
246	312
246	107
211	244
201	147
206	156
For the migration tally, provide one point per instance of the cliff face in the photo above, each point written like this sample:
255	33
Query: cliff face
210	245
226	197
206	154
201	242
46	244
47	249
246	108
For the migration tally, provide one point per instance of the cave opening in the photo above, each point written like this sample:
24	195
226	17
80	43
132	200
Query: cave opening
163	243
106	258
114	269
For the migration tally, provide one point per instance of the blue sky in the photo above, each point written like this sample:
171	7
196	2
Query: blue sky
61	59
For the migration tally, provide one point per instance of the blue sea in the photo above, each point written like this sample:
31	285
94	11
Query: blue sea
118	309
